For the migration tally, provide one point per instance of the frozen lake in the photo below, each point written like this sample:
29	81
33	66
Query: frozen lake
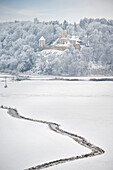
83	107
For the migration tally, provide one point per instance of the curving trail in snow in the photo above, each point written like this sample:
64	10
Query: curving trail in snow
55	127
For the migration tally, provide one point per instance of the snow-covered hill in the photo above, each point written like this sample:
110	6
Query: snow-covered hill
19	48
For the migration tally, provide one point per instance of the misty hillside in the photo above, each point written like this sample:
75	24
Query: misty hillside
19	51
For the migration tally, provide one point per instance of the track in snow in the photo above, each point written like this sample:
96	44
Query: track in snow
55	127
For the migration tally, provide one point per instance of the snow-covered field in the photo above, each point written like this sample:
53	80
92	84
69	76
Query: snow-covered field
82	107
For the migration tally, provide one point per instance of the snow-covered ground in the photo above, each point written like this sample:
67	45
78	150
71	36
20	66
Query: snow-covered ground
82	107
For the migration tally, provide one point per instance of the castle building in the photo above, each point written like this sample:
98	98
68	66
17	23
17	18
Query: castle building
62	43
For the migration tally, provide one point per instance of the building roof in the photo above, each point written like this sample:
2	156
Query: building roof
76	38
77	43
62	45
73	38
42	38
63	38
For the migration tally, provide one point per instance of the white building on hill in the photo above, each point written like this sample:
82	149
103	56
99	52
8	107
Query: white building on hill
62	43
42	42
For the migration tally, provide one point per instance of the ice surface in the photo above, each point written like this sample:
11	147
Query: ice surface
84	108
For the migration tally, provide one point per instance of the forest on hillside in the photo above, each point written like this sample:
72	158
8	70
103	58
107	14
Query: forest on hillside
19	52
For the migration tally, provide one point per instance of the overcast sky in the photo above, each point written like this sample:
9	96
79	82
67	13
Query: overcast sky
46	10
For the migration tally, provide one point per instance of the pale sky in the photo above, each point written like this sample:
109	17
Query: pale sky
46	10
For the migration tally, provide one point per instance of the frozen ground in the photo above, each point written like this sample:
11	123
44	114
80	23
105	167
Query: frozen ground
84	108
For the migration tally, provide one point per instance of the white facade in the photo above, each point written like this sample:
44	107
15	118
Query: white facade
42	42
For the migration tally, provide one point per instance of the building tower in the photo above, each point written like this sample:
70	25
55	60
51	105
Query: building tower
63	37
42	42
